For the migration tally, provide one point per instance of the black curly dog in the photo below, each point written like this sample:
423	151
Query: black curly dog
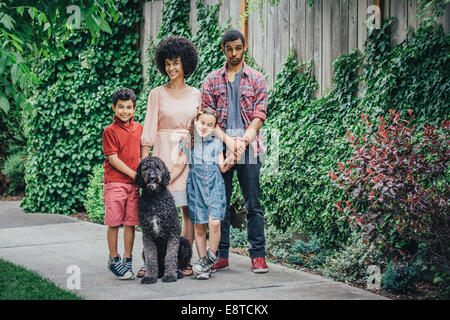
165	251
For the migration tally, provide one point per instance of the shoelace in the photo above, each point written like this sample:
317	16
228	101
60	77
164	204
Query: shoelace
203	262
119	267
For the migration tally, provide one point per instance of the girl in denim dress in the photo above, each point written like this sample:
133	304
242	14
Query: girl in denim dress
205	187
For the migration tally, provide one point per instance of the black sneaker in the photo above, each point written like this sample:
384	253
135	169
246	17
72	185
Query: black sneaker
119	269
127	262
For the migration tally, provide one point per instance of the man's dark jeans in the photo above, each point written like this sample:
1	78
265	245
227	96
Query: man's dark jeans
248	176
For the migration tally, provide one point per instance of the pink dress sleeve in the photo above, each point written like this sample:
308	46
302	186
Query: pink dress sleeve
151	119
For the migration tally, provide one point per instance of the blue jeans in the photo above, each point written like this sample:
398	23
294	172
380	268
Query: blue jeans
248	176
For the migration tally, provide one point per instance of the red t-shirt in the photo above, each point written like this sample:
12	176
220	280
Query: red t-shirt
125	141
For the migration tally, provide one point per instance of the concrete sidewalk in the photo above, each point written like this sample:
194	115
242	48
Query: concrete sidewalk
49	244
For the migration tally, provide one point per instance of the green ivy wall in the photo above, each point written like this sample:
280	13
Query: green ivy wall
73	106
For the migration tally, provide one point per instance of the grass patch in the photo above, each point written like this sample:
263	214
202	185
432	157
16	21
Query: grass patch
17	283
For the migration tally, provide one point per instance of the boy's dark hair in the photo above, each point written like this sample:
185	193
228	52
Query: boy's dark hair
124	94
231	36
174	47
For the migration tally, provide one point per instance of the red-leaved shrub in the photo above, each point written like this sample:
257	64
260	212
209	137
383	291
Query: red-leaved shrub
398	190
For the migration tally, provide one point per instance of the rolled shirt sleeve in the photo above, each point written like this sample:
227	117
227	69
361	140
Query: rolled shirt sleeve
260	108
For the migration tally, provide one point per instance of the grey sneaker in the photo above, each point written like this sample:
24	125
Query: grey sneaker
119	269
205	264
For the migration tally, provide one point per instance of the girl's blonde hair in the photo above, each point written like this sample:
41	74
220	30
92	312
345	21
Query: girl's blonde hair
207	110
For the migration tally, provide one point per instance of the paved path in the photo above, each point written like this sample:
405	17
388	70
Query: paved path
49	244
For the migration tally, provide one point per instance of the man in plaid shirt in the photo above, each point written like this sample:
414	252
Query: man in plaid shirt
239	96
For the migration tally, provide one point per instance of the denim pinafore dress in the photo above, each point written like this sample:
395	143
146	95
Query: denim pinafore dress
205	188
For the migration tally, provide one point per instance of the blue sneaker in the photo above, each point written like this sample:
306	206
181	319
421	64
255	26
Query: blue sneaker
119	269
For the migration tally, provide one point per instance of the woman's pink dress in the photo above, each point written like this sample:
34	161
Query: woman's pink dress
169	115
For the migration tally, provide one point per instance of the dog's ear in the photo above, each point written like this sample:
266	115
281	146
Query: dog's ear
166	178
138	180
165	175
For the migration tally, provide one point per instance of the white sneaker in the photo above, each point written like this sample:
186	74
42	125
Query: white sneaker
203	276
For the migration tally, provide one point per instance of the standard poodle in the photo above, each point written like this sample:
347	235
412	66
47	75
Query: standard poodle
165	251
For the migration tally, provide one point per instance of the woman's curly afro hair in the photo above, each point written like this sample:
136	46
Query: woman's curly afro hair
174	47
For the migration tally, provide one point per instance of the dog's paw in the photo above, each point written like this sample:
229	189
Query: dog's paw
171	278
148	280
180	274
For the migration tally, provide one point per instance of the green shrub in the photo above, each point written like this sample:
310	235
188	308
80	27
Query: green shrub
411	75
398	277
278	242
13	168
397	189
309	254
298	195
94	196
238	238
351	262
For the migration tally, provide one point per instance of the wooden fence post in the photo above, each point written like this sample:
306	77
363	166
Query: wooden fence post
244	20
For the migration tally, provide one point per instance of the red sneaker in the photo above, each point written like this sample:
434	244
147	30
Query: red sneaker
259	265
220	265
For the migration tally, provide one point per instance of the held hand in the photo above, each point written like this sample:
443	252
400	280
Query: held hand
230	160
239	147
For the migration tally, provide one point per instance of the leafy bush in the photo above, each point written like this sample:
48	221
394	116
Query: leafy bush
398	189
412	75
238	238
308	254
351	262
297	196
11	131
72	108
94	196
13	168
278	242
398	277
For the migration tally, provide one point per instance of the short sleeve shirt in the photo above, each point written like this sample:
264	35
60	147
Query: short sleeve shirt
125	141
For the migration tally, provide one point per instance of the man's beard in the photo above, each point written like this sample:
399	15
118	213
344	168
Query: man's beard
236	62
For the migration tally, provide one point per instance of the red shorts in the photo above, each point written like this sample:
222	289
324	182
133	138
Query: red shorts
121	204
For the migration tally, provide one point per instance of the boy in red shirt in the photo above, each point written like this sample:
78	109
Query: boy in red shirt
121	146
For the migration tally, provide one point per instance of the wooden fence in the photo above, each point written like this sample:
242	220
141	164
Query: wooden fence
322	33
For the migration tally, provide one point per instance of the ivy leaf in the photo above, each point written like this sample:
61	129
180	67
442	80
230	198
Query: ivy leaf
3	63
4	104
32	11
105	26
15	73
7	21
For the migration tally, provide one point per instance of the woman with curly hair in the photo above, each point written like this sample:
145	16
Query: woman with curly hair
170	110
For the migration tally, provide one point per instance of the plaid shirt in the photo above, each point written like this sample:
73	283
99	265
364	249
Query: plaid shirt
252	99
